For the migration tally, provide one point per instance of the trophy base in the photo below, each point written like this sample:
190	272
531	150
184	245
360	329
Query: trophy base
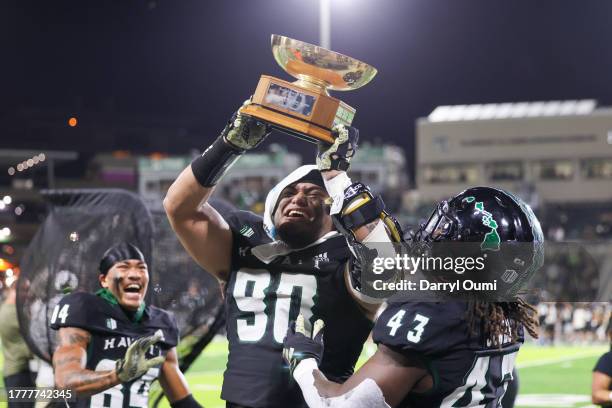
294	127
307	113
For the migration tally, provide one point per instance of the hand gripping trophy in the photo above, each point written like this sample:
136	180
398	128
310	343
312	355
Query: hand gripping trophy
304	108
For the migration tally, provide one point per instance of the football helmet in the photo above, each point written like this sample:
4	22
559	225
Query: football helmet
494	224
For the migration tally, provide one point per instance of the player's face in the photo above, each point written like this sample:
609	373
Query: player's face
128	281
301	216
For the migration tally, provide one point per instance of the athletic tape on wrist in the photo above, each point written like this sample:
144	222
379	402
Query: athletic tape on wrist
215	162
335	188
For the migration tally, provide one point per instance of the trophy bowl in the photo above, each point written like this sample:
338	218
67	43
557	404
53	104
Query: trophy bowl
304	108
317	67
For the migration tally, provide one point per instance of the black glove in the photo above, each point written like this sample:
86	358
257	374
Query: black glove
337	156
297	346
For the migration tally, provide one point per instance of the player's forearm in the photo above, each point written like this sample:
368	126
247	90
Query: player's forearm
330	174
172	379
602	397
185	196
319	392
86	382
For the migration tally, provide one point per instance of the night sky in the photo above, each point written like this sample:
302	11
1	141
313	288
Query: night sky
190	64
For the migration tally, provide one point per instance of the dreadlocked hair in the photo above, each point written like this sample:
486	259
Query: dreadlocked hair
501	320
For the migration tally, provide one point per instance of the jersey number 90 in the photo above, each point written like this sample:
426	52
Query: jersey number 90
254	293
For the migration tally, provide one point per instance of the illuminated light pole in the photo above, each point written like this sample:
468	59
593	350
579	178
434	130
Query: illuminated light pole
325	23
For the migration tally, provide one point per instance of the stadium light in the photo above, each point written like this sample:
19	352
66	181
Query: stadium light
7	199
325	24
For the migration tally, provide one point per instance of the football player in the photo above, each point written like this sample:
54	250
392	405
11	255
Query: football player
292	261
601	385
111	345
440	354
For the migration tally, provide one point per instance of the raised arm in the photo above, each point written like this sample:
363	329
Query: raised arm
201	229
359	215
69	361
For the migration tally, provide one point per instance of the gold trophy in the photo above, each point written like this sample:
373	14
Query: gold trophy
304	108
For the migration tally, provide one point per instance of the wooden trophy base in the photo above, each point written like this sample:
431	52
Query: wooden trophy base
307	113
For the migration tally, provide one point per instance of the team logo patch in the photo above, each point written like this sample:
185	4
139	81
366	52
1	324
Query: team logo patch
319	259
509	276
491	241
111	323
247	231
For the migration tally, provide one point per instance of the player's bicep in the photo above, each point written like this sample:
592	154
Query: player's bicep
171	378
394	373
207	237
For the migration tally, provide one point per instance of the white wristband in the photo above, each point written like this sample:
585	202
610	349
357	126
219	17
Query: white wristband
335	188
610	396
305	379
303	371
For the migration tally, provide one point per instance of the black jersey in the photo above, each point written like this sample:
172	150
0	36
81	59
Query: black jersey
112	331
466	371
262	298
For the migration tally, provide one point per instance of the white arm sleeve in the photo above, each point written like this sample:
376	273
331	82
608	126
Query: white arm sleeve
365	395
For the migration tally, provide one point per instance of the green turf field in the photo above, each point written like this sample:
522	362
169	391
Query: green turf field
550	376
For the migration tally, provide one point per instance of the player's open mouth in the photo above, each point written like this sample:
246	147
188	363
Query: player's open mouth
296	214
132	288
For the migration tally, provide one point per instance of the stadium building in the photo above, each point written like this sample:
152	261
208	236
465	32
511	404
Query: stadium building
557	155
543	144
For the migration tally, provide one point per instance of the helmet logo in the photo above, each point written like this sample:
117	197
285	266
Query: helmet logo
491	241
